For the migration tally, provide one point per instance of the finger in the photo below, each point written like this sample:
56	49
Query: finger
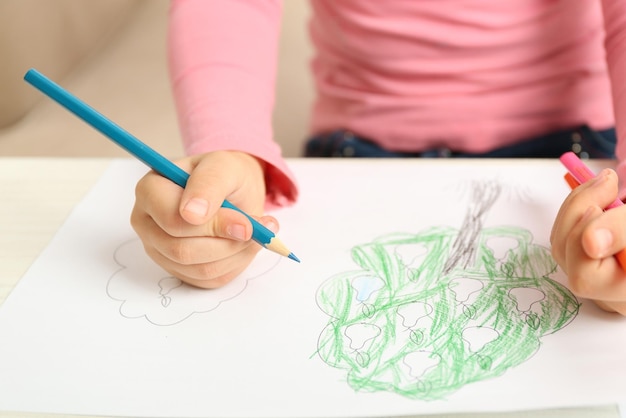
159	199
214	178
605	235
598	279
191	250
613	307
208	275
270	223
156	197
564	220
202	262
199	275
597	192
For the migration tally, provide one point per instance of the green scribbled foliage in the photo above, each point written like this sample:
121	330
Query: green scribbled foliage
412	322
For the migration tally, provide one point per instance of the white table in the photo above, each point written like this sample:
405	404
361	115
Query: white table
37	195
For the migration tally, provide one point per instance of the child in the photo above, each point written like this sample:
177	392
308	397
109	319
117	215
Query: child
399	78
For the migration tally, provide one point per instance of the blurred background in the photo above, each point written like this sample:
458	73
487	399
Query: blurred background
112	55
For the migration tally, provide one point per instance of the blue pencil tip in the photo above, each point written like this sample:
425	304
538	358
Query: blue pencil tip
293	257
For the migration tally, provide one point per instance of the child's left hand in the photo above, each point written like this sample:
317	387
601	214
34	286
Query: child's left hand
584	239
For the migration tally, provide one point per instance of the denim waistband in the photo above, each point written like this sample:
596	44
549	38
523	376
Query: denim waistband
582	140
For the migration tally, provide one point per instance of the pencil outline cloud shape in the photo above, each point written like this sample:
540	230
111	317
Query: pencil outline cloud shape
145	290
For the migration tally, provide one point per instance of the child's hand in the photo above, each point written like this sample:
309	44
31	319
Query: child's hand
584	239
187	232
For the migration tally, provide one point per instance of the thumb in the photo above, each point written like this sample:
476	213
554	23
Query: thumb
207	188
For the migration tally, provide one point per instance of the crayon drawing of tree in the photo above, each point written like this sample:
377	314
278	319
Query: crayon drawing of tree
429	313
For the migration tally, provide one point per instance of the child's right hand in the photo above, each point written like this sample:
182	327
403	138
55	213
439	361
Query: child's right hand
187	232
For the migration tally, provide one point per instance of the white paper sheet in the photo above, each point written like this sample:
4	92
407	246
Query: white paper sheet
424	287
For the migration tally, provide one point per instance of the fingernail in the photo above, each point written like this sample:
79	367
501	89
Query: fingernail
271	225
603	239
236	231
600	177
197	206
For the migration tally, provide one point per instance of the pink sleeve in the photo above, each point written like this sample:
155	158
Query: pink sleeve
615	44
222	58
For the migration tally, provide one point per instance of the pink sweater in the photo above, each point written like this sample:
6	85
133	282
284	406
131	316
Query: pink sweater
413	75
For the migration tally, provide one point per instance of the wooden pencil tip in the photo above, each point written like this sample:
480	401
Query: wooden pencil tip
277	246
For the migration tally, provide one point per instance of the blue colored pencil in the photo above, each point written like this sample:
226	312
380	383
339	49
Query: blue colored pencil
143	152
